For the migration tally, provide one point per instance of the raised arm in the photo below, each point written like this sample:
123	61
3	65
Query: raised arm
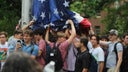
47	35
73	32
26	26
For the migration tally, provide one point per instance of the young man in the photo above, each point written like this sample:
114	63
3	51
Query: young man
112	63
38	35
3	47
124	65
28	46
97	52
83	58
62	41
12	41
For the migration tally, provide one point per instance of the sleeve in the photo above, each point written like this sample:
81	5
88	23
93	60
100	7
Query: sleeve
86	61
119	47
42	45
35	51
101	55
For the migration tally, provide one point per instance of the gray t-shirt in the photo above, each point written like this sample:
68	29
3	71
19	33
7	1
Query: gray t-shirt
111	59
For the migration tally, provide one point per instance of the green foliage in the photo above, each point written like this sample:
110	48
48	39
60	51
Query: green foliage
10	13
89	8
117	19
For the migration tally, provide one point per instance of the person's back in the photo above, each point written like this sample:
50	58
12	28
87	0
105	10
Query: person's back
20	62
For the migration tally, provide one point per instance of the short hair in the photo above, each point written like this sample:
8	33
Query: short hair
4	33
18	32
20	62
39	32
125	35
97	38
29	32
85	42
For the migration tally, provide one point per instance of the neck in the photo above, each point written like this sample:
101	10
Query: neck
3	43
95	46
82	49
114	40
27	43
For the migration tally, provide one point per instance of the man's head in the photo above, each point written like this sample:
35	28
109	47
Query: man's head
39	33
18	34
113	35
125	39
61	36
80	43
28	35
3	37
95	40
20	62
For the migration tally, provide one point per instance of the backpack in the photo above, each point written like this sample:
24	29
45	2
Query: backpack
115	50
93	65
55	55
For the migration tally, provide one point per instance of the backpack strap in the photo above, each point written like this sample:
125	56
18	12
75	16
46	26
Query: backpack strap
32	49
115	50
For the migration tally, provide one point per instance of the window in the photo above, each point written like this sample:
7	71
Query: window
97	29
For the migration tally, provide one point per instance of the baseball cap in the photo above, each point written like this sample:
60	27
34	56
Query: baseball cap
113	32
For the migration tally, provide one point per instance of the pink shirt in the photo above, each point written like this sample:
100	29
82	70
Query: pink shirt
42	47
63	47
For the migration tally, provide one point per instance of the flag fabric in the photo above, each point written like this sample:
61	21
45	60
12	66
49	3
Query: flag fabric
53	12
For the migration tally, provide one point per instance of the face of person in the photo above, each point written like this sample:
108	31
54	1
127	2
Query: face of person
3	38
94	41
112	37
19	36
27	38
61	39
77	43
126	40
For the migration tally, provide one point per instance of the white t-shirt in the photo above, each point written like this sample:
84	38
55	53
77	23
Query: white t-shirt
4	45
98	53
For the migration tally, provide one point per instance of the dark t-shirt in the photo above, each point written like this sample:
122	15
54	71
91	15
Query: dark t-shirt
82	61
124	65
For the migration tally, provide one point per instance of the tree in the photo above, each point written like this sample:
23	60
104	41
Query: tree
117	18
10	14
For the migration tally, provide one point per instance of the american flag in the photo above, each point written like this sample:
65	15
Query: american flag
53	12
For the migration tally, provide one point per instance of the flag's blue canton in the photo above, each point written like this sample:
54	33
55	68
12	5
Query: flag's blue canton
53	12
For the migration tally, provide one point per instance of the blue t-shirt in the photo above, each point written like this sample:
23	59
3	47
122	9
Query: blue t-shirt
32	49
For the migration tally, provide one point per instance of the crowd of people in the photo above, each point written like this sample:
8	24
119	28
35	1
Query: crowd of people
77	50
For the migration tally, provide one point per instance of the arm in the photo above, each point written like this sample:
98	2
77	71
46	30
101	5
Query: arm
101	66
47	35
73	31
119	61
85	70
30	23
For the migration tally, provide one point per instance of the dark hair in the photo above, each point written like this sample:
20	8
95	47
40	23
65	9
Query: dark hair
29	32
21	62
18	32
85	42
97	38
125	35
4	33
39	31
104	37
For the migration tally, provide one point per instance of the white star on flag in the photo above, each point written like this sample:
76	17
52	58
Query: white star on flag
66	4
55	11
34	18
41	1
43	15
51	24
